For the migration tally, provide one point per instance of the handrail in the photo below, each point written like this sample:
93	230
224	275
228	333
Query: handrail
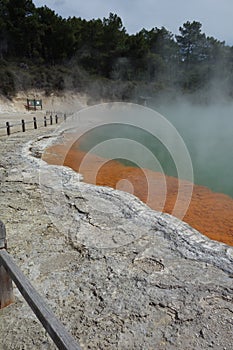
23	122
8	270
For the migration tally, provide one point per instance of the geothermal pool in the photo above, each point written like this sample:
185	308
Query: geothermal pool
210	211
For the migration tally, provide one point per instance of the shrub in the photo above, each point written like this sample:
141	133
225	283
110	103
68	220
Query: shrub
7	83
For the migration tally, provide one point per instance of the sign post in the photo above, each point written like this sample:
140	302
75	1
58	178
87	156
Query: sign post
33	104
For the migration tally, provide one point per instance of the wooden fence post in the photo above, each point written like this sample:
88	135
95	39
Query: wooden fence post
51	119
23	125
45	121
64	116
61	337
8	128
35	123
56	119
6	288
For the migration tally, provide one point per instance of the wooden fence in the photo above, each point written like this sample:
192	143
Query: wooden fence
9	271
49	119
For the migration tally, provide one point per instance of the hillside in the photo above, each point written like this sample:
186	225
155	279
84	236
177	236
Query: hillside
41	50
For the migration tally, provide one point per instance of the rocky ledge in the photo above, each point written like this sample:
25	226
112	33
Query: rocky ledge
117	274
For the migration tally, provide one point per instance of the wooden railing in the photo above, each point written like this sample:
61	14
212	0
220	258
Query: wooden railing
9	271
49	119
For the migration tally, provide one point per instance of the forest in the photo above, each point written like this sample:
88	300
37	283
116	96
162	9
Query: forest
40	49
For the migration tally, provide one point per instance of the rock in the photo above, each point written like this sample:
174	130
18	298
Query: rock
118	274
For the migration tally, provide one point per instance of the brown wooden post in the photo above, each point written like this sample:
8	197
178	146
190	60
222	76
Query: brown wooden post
8	128
56	119
6	288
45	121
53	326
35	123
23	125
51	119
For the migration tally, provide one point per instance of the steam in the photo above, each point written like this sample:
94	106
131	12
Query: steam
207	133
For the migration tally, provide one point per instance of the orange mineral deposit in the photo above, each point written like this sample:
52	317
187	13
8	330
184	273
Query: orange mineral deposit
210	213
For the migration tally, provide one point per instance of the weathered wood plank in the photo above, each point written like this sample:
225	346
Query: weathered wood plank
6	288
53	326
2	235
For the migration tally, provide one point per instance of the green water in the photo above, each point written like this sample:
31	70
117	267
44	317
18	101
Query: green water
125	132
206	130
208	134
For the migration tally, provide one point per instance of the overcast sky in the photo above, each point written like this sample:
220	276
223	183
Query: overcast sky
216	16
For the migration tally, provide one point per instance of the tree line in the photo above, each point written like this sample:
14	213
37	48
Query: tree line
39	37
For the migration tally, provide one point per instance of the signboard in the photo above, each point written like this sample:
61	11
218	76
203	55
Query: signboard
33	104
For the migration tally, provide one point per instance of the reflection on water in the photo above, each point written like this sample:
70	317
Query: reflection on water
209	212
